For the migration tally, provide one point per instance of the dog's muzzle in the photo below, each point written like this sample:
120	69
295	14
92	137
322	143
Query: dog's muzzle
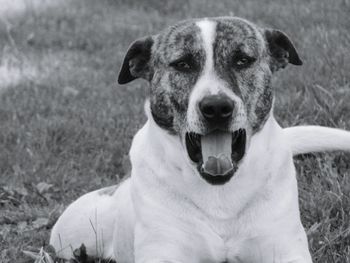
217	151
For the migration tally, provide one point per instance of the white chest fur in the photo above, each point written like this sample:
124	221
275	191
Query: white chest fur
260	200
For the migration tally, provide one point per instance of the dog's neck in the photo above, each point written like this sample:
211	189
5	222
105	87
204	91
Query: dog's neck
159	158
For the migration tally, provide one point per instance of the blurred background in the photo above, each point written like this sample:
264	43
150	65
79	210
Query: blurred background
66	126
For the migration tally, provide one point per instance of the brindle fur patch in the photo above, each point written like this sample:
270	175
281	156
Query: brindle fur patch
252	85
263	106
231	36
170	89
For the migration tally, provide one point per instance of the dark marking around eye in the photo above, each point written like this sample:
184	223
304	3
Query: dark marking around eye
184	64
241	60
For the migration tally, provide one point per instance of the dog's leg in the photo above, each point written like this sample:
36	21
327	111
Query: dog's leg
305	139
90	221
86	221
160	246
172	240
283	246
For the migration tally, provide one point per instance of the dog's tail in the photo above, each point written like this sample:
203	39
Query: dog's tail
305	139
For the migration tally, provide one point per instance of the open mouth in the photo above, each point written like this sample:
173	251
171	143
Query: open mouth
216	154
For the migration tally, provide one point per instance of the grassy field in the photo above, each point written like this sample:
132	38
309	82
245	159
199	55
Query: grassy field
66	126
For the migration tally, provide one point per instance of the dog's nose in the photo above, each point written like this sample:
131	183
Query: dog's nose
216	108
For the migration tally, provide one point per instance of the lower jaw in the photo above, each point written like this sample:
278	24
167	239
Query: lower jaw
216	180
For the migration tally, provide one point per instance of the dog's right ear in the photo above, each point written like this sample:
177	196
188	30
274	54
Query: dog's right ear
136	62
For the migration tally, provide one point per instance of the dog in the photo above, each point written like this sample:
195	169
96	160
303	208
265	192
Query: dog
213	178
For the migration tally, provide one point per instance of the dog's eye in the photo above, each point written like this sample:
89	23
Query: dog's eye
183	65
242	61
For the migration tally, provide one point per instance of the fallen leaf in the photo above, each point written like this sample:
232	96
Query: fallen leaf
22	225
70	91
43	187
40	222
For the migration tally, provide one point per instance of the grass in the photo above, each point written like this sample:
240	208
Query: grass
66	126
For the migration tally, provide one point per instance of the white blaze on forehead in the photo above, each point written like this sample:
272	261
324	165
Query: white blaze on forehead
208	83
208	33
204	83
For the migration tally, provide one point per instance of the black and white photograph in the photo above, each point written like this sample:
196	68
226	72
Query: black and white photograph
174	131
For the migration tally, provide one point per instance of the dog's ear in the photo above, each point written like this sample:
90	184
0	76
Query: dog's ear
281	49
136	62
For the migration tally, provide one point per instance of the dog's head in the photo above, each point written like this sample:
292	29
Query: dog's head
210	85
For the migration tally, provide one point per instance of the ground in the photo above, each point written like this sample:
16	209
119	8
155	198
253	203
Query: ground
66	126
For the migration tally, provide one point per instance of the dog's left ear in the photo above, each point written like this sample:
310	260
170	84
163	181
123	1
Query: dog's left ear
281	49
136	62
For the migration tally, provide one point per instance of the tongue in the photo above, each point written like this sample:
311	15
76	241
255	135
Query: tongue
216	153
